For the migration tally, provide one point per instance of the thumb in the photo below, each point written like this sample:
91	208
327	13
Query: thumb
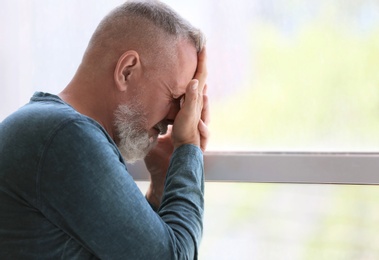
191	95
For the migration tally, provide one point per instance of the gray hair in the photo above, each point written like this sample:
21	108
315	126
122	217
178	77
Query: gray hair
150	27
165	18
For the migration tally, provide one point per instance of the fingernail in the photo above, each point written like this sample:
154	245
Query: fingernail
195	85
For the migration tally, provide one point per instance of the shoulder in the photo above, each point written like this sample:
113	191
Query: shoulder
46	121
46	114
43	112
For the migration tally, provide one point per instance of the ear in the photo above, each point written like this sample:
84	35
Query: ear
127	64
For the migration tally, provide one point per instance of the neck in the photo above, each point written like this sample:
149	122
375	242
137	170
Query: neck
89	95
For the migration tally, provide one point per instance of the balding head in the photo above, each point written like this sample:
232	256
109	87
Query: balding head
151	28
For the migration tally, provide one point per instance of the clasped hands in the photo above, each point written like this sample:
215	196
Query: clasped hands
190	127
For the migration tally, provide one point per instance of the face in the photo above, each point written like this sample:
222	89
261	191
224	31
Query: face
155	106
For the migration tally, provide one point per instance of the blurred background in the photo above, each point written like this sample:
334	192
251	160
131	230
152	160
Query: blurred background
284	76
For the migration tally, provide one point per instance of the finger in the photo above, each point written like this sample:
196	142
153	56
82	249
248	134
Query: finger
190	102
169	129
168	132
205	113
203	129
204	135
205	90
201	71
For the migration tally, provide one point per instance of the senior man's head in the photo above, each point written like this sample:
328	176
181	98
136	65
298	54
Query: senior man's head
143	54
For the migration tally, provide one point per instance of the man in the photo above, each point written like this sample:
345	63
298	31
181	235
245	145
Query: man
65	192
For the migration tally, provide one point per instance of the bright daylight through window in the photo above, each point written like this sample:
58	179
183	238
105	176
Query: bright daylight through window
284	76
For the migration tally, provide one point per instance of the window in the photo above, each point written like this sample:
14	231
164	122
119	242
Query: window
294	91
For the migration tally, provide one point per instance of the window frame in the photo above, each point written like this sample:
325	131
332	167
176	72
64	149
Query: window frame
284	167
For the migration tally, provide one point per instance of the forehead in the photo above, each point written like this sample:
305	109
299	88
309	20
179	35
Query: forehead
184	68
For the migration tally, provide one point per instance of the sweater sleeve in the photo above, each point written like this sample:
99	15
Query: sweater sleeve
83	187
183	200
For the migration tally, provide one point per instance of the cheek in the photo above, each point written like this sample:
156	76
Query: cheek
157	112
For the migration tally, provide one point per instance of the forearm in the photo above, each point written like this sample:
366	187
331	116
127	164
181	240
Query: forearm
183	202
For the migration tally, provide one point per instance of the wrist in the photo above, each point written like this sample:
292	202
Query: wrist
154	196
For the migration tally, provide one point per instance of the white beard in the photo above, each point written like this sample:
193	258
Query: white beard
135	142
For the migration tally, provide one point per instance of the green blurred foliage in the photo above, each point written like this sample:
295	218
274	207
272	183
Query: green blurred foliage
316	89
292	221
313	88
